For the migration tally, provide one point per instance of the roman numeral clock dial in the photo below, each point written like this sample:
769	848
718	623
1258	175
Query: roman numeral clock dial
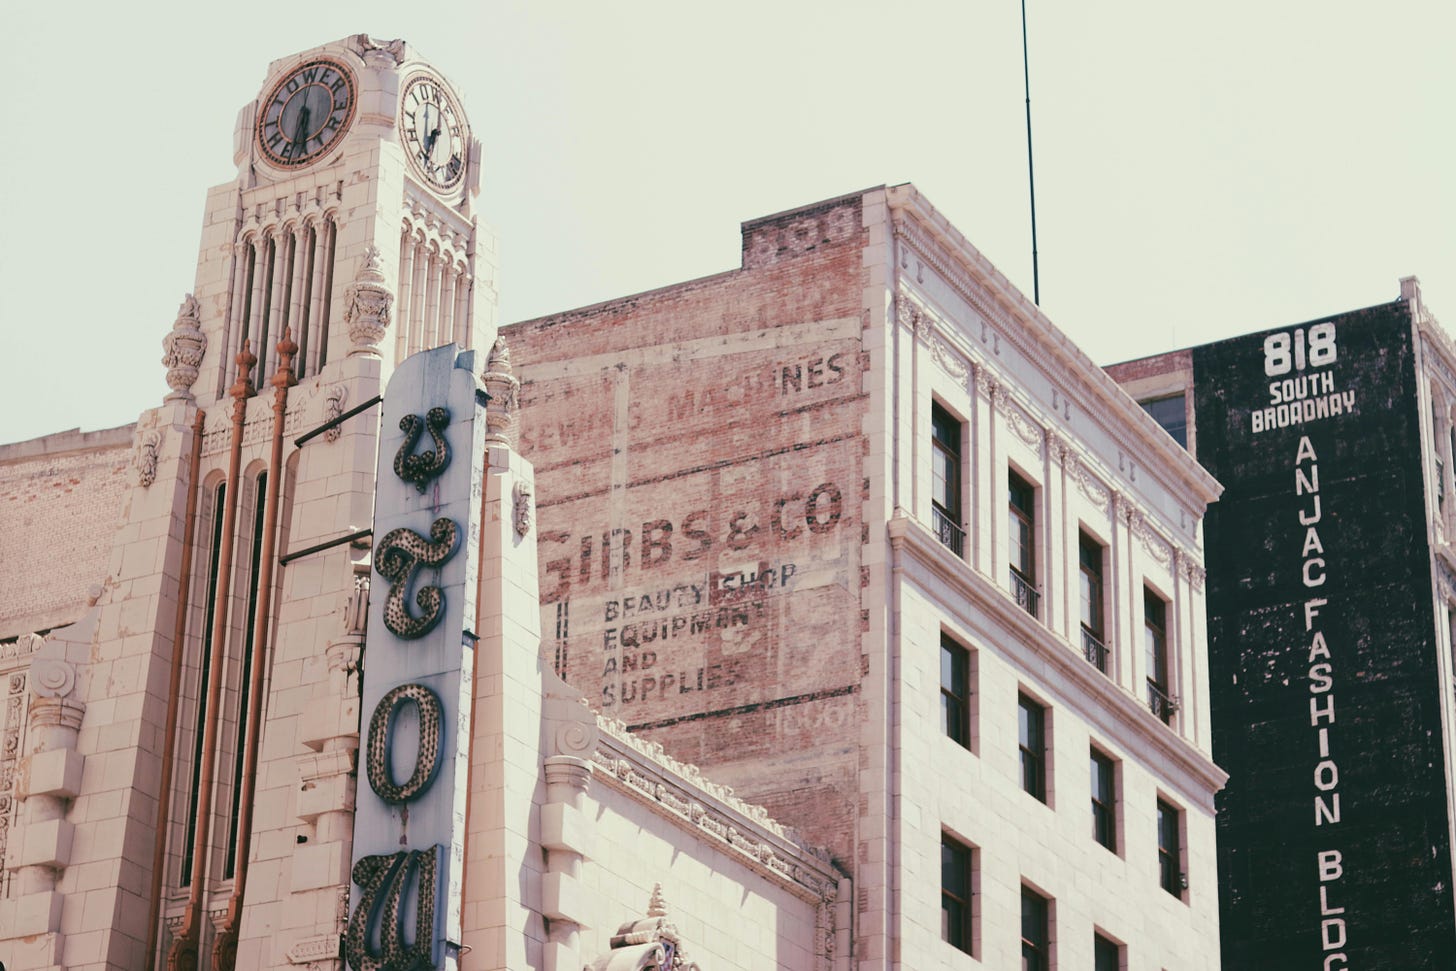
433	132
306	113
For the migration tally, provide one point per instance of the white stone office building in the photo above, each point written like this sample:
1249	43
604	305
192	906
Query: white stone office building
855	527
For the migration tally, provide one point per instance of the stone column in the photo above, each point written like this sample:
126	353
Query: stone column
406	294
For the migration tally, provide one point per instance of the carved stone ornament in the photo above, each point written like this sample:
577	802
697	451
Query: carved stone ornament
334	399
52	677
367	305
397	557
371	49
144	459
503	388
649	944
429	464
182	350
523	507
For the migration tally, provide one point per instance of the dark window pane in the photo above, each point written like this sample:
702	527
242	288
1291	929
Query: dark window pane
956	861
945	462
955	692
1032	730
1104	808
1172	414
1169	875
1105	956
1034	931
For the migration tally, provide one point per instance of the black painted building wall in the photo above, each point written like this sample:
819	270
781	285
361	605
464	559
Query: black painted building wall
1333	835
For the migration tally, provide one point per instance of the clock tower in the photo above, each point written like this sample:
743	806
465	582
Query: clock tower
348	242
352	147
212	690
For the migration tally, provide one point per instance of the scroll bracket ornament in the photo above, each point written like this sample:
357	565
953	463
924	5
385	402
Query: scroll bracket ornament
397	557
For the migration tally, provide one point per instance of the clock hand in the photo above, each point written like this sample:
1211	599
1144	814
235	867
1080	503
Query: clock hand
300	131
430	136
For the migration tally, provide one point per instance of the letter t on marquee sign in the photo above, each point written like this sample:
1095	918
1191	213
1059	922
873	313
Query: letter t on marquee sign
419	664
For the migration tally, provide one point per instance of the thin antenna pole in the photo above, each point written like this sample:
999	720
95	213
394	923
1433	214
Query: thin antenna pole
1030	172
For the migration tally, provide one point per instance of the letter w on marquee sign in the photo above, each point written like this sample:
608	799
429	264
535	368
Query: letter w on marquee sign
419	664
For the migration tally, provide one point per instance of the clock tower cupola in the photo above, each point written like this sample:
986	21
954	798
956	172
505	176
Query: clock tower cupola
351	223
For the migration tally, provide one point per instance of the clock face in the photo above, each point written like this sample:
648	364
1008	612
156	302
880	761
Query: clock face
306	113
433	132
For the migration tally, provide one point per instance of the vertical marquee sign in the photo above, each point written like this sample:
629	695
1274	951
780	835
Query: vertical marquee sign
409	825
1332	832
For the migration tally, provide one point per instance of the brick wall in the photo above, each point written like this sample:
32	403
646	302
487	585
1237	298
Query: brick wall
60	502
699	455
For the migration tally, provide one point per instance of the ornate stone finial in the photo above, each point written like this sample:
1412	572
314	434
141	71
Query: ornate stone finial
367	305
243	387
182	350
503	388
144	459
657	905
380	53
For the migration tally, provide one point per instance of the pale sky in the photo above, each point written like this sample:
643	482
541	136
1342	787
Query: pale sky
1202	170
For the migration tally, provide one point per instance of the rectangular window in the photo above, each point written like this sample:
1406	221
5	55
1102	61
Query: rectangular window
955	691
945	489
1106	954
1104	801
1094	639
1170	871
957	876
1021	542
1032	718
1155	649
1035	931
1172	414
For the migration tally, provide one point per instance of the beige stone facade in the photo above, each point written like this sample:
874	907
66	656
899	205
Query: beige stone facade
185	744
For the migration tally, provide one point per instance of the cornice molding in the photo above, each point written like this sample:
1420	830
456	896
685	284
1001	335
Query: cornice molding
981	286
679	792
1098	700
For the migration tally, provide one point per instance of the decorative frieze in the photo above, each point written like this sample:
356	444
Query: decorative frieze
1091	488
1023	425
1156	545
644	769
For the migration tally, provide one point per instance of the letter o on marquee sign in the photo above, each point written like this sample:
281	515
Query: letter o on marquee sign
381	742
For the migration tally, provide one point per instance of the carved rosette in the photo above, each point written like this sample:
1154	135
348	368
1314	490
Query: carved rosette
367	305
504	390
182	350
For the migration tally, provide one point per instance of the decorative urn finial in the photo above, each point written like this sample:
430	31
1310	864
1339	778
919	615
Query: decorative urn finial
182	350
367	304
503	387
